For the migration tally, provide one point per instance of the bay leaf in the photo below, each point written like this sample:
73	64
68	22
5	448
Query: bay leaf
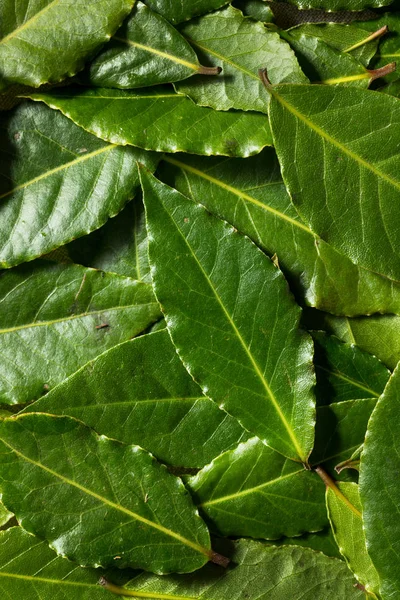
96	501
120	246
344	372
251	196
56	317
258	572
345	515
333	5
389	47
321	541
176	12
357	183
253	491
45	41
57	182
232	319
140	393
379	487
239	45
5	515
161	120
146	50
256	9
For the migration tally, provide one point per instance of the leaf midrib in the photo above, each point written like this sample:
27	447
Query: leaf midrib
110	503
72	317
28	22
348	380
223	58
253	362
160	53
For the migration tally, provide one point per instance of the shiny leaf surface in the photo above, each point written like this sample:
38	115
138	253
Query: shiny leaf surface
251	196
232	319
140	393
240	46
332	5
58	182
46	40
96	501
55	318
161	120
177	11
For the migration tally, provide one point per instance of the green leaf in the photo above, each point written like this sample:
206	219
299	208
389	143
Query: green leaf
251	196
120	246
324	64
161	120
377	334
96	501
29	569
254	491
321	541
380	490
259	572
56	317
232	320
154	404
256	9
177	11
352	39
358	174
58	182
240	46
389	47
5	515
146	50
340	430
333	5
344	372
47	40
345	515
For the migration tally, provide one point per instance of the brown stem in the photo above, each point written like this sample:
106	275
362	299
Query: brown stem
376	34
376	73
331	484
220	560
209	70
263	75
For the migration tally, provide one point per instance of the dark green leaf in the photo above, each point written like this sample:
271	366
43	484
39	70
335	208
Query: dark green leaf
58	182
120	246
177	11
159	119
321	541
345	515
55	318
140	393
232	319
96	501
254	491
256	9
251	196
146	50
258	572
47	40
389	47
5	515
240	46
344	372
357	181
380	490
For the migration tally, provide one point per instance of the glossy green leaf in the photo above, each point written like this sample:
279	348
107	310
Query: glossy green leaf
120	246
256	9
251	196
177	11
30	569
344	372
340	431
146	50
352	39
140	393
321	541
389	47
377	334
254	491
232	319
5	515
46	40
358	180
159	119
57	182
380	490
54	318
324	64
345	515
332	5
240	46
96	501
258	572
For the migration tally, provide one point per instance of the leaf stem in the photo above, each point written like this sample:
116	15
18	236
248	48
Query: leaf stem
382	71
331	484
209	70
220	560
376	34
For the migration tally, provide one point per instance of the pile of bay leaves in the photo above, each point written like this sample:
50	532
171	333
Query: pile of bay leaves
199	301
